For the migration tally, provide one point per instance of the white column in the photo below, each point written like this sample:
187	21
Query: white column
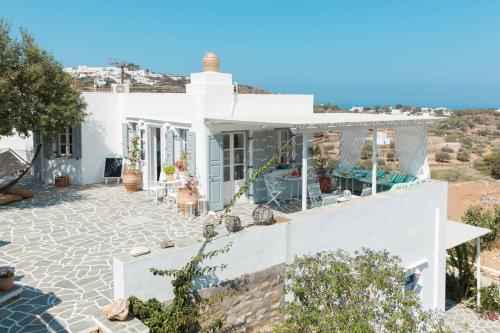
478	270
305	141
374	162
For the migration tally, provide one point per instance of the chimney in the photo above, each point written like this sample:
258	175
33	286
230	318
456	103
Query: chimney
211	62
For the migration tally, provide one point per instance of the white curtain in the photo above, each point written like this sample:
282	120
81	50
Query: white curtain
352	141
411	149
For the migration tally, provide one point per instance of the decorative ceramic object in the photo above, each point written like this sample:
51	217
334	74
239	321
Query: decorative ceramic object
132	180
6	278
139	251
208	230
211	62
233	223
263	215
118	310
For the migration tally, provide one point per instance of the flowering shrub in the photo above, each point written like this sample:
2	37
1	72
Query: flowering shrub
336	292
134	155
192	183
490	301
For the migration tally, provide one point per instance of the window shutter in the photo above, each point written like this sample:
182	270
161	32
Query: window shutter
77	142
169	147
125	139
47	150
191	152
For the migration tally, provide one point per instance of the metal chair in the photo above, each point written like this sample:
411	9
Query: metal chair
171	194
274	189
366	192
319	199
150	186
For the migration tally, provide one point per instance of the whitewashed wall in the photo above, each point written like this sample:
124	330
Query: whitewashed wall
22	146
406	222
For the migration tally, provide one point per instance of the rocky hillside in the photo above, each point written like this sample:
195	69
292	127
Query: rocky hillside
164	84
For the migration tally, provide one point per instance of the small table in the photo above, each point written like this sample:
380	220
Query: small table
291	180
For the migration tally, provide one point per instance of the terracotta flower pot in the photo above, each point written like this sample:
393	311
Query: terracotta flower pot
132	181
6	283
325	183
185	195
170	177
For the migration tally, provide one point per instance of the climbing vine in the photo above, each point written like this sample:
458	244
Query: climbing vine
183	315
251	179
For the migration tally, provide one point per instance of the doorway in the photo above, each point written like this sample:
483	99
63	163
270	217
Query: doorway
153	157
234	149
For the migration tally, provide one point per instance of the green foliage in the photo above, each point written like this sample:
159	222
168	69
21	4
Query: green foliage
366	153
321	161
463	155
447	149
36	95
169	169
490	300
390	156
460	279
490	165
442	156
183	315
337	292
251	179
467	142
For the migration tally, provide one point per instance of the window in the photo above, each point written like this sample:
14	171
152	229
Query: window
234	156
283	137
65	143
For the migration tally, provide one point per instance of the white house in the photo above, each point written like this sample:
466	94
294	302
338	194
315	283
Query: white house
227	136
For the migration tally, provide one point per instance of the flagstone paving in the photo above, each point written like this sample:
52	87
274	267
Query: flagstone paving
63	240
461	319
62	243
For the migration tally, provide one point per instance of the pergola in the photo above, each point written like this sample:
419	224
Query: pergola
410	137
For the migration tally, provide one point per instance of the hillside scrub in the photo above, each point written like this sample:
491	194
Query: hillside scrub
489	165
442	156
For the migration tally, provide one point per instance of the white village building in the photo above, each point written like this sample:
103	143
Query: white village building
227	136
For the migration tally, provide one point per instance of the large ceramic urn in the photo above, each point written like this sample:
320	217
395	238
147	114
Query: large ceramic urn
132	180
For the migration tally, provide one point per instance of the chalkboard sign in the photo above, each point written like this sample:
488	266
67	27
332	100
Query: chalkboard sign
113	168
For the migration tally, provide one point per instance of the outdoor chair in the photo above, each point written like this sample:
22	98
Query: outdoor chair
171	194
319	199
150	186
274	189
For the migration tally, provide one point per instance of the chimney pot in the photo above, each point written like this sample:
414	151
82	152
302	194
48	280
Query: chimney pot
211	62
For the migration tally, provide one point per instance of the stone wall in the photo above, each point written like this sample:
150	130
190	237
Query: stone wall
251	303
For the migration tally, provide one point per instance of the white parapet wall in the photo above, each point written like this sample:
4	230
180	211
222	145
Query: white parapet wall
403	221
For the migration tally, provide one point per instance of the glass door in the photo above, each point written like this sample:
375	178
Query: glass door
234	145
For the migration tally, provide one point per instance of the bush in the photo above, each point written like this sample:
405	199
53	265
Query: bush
366	153
390	156
447	149
467	142
489	165
337	292
442	156
463	155
461	279
489	303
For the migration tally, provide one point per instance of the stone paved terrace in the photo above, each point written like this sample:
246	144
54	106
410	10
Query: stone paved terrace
62	243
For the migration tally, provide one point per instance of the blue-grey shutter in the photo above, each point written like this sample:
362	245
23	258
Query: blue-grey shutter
259	158
272	143
125	139
215	173
191	152
77	142
47	150
169	147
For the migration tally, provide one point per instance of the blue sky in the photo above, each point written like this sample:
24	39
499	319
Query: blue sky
427	53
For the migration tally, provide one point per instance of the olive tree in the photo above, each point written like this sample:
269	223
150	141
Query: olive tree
36	95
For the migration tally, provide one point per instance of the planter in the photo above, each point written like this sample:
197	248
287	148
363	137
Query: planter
6	283
185	195
170	177
324	184
233	223
132	181
208	230
61	181
263	216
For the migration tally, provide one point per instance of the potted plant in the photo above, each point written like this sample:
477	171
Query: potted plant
182	163
321	162
6	278
188	193
132	176
169	170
